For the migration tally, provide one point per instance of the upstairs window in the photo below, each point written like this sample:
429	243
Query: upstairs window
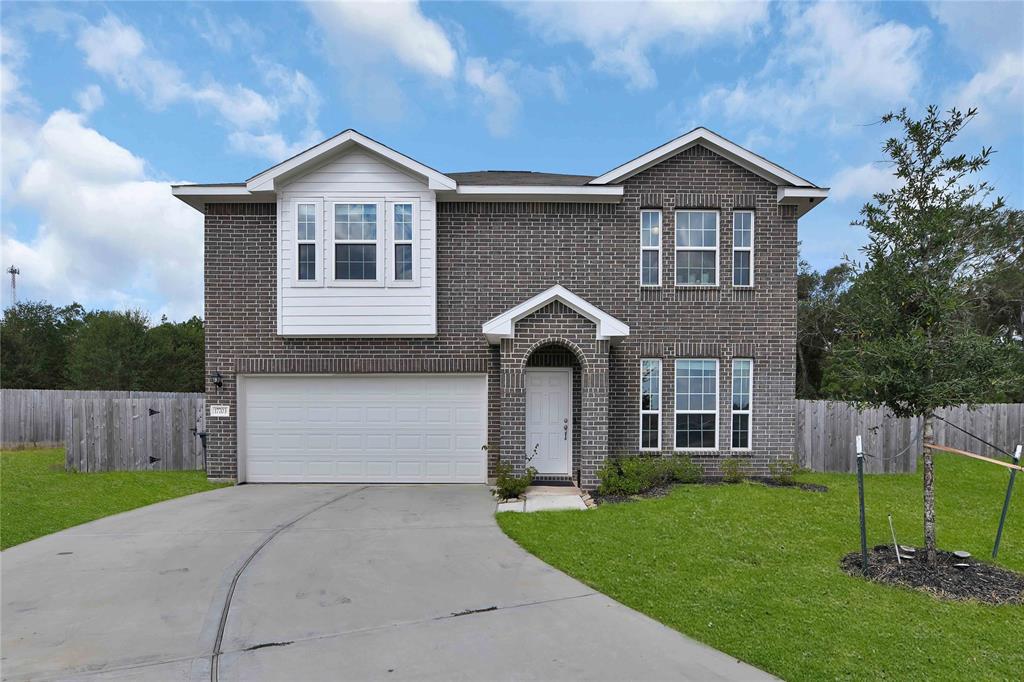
355	243
650	248
305	238
402	221
650	404
696	404
742	381
696	248
743	248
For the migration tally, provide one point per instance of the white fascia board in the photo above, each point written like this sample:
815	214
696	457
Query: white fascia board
198	195
265	180
804	198
503	326
586	193
715	142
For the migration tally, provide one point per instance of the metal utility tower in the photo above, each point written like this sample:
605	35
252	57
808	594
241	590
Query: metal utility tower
14	283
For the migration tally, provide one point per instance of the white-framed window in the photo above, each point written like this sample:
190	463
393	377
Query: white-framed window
358	253
403	243
696	426
697	248
742	391
307	259
743	248
650	404
650	248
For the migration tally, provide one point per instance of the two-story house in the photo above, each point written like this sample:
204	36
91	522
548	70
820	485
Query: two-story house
369	318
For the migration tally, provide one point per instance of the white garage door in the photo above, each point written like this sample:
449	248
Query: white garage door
391	428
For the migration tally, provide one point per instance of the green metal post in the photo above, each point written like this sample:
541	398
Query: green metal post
860	493
1006	502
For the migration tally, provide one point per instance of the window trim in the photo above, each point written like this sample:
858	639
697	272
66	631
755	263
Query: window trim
661	232
715	248
392	242
750	406
379	242
677	411
748	249
293	225
661	391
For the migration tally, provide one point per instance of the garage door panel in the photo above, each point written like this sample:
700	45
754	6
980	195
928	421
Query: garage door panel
374	428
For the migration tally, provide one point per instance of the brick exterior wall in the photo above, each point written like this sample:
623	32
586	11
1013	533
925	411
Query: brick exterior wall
493	256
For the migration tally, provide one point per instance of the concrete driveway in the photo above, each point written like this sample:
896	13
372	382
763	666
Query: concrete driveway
309	582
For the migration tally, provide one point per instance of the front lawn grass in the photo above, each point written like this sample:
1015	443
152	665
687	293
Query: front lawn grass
754	571
37	497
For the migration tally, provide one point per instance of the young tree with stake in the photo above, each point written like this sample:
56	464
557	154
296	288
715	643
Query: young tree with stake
907	340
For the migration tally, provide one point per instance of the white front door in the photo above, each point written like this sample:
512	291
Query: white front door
549	419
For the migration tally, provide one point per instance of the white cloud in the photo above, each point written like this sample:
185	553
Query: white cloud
223	34
834	57
110	235
861	182
495	93
985	28
118	51
997	91
366	32
620	36
89	99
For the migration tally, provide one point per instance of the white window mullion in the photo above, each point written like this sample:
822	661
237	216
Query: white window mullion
357	243
306	225
696	404
650	404
696	237
742	403
743	248
403	243
650	248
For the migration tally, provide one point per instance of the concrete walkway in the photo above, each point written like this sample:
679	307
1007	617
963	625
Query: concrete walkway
322	582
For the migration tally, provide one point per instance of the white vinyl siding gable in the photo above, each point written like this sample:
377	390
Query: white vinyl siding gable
376	308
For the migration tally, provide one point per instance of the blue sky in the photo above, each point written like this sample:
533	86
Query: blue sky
104	104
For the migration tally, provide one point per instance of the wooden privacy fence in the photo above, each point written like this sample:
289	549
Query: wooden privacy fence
826	433
34	417
130	434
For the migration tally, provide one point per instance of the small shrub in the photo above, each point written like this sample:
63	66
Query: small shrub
783	471
508	485
732	470
631	475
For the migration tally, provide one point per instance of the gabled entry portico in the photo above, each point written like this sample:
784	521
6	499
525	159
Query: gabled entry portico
555	318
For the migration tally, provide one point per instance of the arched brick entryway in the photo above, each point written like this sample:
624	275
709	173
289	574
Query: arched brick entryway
558	325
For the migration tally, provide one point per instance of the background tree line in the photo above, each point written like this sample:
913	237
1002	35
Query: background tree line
995	308
65	347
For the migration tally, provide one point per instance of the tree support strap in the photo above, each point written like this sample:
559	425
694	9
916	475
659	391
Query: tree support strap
946	448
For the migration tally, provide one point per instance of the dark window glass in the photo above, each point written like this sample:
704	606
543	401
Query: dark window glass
307	261
741	431
695	431
741	268
403	261
649	267
695	267
649	425
355	261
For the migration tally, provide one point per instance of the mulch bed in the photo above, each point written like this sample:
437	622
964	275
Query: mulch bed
978	581
664	490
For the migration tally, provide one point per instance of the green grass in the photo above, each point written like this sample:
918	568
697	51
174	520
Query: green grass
38	497
754	571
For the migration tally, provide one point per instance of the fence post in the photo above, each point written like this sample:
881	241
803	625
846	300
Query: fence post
1006	502
860	494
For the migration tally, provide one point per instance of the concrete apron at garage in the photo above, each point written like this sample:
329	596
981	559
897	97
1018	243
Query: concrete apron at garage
369	582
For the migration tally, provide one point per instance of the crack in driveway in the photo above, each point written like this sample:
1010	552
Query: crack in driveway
219	641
